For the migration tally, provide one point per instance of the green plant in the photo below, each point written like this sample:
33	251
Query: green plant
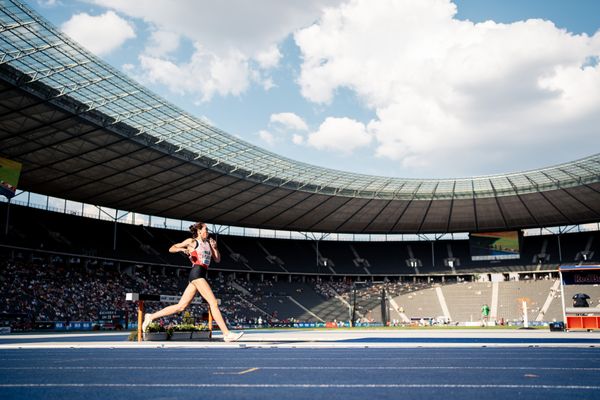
187	328
156	327
133	336
187	318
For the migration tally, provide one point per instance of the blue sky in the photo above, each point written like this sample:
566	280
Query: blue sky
405	88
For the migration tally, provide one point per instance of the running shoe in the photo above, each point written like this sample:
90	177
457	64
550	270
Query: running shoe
147	321
232	336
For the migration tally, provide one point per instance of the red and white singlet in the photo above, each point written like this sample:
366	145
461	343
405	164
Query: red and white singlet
202	254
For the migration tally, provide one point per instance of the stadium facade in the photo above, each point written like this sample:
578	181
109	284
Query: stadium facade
84	131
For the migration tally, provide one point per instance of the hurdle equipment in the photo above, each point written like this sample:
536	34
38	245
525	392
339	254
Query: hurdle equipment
142	298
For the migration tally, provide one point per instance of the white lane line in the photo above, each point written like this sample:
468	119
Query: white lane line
250	369
300	385
485	358
237	373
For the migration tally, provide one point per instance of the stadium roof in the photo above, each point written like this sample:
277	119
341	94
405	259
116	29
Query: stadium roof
86	132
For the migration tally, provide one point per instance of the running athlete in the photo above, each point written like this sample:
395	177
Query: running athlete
201	250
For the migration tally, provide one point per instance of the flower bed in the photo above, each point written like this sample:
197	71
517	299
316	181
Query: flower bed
183	332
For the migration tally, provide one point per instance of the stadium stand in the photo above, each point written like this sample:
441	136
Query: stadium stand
50	289
533	292
61	267
465	299
61	233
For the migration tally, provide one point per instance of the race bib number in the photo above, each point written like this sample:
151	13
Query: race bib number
206	256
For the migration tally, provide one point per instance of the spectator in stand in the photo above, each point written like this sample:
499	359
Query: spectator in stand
581	300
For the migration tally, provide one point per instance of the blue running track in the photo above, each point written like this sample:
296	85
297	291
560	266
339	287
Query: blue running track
543	373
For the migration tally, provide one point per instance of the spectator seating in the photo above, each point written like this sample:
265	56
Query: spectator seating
70	234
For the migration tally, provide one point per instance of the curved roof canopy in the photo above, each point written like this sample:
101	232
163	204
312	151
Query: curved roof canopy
86	132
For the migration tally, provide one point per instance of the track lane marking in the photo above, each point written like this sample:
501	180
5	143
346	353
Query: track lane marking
235	373
251	369
299	385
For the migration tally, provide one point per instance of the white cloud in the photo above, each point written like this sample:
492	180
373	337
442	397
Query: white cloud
266	137
47	3
342	135
269	58
205	74
207	120
268	84
247	29
450	94
100	34
297	139
161	43
288	121
251	28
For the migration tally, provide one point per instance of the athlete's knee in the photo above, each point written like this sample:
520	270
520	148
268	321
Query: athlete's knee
212	303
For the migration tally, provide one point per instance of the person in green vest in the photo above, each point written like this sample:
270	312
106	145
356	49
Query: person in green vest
485	314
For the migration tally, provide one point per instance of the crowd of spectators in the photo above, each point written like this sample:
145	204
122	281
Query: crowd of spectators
47	292
38	291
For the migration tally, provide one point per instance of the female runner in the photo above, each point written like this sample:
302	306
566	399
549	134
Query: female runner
201	250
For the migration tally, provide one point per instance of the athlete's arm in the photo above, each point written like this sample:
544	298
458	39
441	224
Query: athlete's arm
181	247
216	254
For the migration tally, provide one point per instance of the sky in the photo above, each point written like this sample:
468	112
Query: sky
400	88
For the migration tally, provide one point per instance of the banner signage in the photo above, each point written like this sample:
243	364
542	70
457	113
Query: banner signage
9	177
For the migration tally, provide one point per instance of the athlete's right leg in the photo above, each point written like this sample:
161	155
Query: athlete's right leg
208	295
184	301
